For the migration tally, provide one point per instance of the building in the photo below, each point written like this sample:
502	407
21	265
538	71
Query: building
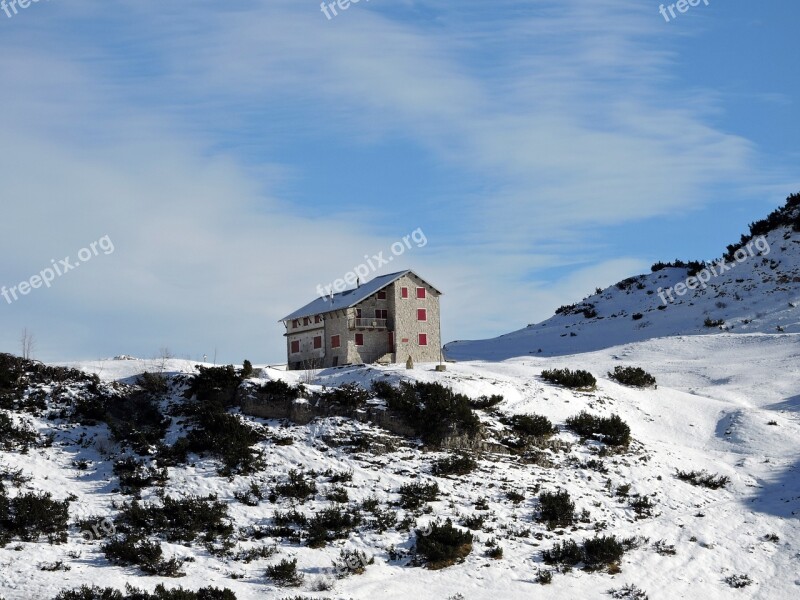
385	320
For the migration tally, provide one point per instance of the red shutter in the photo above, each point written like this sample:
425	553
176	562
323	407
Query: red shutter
382	295
335	341
318	342
295	346
420	292
423	339
404	292
422	314
359	339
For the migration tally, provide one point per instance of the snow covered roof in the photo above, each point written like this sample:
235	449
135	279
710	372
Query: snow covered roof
349	298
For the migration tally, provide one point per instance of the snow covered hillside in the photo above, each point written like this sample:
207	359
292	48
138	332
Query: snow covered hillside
758	290
725	404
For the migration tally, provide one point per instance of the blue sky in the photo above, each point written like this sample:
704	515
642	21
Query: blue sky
238	154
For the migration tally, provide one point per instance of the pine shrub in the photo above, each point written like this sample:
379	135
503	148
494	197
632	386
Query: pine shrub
632	376
443	545
578	380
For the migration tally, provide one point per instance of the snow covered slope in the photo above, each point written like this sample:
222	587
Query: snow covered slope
724	403
758	290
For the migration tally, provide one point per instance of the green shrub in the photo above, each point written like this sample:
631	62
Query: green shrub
347	395
160	593
533	425
278	390
565	554
148	556
703	479
709	322
215	385
351	562
578	380
154	383
227	437
299	485
332	523
29	516
486	402
284	574
431	409
134	475
613	430
457	464
14	437
556	509
247	369
632	376
443	545
135	419
414	495
602	552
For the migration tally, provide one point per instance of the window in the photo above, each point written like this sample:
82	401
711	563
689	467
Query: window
423	339
306	321
317	319
335	342
318	342
295	346
404	292
295	323
382	295
359	339
422	314
381	313
358	313
421	292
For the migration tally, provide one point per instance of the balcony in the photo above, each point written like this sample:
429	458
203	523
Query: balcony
368	323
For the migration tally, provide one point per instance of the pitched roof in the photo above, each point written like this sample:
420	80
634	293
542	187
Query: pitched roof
348	298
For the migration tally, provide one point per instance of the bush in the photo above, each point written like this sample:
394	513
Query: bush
693	266
147	555
444	545
348	395
284	574
160	593
486	402
153	383
709	322
533	425
628	592
578	380
602	552
30	516
299	486
566	554
352	561
632	376
431	409
227	437
703	479
738	581
458	464
135	419
278	390
614	431
134	475
215	385
556	509
247	369
332	523
414	495
13	437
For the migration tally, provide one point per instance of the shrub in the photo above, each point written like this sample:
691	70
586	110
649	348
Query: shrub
709	322
228	438
486	402
543	576
473	522
738	581
135	419
414	495
135	475
602	552
579	380
533	425
284	574
703	479
247	369
147	555
556	509
444	545
332	523
457	464
299	486
29	516
566	554
628	592
347	395
154	383
160	593
352	562
278	390
614	431
632	376
215	385
13	437
431	409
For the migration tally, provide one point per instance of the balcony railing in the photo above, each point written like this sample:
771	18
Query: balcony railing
368	323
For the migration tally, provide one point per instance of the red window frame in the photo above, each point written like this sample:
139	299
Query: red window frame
335	341
359	339
404	292
422	314
421	293
294	347
306	321
317	319
317	342
295	323
382	295
381	313
422	339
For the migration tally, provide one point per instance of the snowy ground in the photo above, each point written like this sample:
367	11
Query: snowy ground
715	398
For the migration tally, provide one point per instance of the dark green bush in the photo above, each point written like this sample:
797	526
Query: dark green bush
613	430
443	545
135	419
602	552
247	369
347	395
431	409
704	479
215	385
160	593
633	376
457	464
486	402
148	556
284	574
227	437
278	390
414	495
153	383
134	475
299	485
578	380
15	437
29	516
566	554
709	322
332	523
533	425
556	509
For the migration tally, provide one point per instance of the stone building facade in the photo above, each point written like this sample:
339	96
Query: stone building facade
387	320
